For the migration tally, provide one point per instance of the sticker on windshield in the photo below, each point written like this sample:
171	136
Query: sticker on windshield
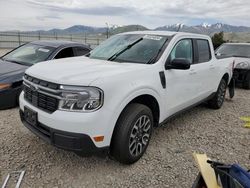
152	37
43	50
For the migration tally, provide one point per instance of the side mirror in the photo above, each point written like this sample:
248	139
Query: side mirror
178	63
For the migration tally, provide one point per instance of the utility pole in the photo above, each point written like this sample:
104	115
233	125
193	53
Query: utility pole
107	29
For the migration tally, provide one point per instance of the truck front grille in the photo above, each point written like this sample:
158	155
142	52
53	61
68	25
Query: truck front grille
39	99
41	82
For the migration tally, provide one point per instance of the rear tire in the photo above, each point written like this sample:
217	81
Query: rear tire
132	133
217	101
246	84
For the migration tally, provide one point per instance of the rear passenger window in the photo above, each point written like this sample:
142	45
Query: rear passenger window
79	51
204	54
66	52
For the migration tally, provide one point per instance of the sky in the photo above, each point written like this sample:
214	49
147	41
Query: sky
47	14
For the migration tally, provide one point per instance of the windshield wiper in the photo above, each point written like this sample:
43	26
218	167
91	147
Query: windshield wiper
152	59
113	57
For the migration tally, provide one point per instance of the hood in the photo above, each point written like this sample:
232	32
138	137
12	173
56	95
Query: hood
242	63
79	70
11	72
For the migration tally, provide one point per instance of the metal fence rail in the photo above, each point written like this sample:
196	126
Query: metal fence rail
9	40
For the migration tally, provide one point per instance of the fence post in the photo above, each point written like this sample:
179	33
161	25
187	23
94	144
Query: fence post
19	38
55	34
85	38
39	35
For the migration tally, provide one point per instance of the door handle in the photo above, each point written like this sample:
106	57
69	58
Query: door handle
192	72
212	67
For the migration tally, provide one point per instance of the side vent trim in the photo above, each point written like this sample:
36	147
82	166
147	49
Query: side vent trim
163	79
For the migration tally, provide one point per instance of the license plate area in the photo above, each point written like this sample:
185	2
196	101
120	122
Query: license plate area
30	116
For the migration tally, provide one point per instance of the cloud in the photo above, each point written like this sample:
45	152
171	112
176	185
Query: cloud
97	10
47	14
42	18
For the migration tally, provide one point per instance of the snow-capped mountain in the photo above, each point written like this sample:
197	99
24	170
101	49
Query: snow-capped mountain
206	25
175	27
205	28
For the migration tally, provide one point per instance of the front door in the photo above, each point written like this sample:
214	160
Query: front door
181	85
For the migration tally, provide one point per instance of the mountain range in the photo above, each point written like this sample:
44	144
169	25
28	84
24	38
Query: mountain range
76	29
208	29
204	28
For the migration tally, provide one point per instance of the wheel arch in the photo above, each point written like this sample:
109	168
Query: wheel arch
146	99
226	77
151	102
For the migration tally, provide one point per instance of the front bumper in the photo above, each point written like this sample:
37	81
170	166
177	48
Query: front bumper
79	143
240	75
98	123
9	97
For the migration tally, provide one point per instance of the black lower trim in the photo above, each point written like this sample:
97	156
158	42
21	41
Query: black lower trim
186	109
9	97
79	143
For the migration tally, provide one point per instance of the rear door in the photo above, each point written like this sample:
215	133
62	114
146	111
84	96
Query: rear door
204	68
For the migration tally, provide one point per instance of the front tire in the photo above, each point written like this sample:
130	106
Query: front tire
217	101
132	133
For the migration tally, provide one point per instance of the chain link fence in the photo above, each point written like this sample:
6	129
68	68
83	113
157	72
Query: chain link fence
10	40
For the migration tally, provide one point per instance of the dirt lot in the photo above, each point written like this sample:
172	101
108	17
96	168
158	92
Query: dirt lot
167	163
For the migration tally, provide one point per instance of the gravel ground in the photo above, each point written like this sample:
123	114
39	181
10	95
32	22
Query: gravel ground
4	51
168	161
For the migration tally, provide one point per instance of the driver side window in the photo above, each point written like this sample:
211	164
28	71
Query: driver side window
183	49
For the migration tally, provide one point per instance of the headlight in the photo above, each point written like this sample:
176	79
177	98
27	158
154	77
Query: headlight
5	86
243	65
81	99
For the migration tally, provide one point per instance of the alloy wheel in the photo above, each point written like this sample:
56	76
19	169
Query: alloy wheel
140	135
221	93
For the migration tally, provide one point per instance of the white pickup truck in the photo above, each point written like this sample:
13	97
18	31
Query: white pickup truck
131	83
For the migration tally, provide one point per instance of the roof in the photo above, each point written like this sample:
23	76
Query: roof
165	33
57	43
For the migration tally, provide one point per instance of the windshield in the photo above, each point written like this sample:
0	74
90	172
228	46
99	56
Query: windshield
133	48
29	54
236	50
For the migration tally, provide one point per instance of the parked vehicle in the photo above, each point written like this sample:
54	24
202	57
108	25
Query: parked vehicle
14	64
132	82
241	52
